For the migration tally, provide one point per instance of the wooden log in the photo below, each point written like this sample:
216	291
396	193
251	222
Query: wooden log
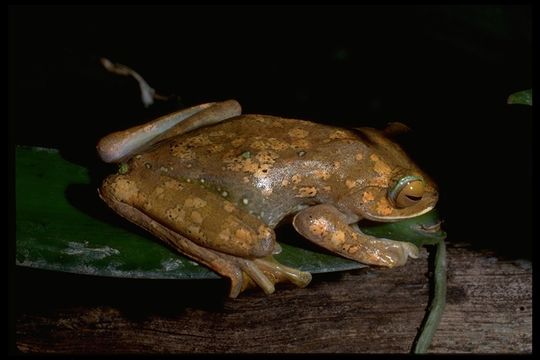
489	310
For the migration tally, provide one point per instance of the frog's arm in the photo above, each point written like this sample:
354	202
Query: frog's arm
327	226
120	145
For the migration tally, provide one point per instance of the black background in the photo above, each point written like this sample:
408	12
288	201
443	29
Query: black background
445	71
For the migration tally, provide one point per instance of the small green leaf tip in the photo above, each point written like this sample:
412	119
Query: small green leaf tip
521	97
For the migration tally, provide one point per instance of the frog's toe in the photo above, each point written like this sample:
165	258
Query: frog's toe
400	251
282	273
411	250
265	273
257	276
277	249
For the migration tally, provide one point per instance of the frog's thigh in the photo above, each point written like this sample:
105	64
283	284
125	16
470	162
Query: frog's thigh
198	253
327	226
122	144
194	212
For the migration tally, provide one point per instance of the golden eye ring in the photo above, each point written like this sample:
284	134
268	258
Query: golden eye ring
408	191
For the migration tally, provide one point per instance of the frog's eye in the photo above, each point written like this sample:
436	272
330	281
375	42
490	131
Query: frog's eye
407	191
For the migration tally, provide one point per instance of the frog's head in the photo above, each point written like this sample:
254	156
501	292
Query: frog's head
391	187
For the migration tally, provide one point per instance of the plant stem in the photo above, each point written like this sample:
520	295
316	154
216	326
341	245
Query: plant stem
438	302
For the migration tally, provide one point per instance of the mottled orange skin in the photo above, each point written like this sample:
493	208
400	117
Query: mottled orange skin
269	166
227	186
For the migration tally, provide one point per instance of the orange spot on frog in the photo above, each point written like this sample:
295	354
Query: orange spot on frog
242	235
383	208
321	174
350	183
318	228
194	202
196	217
296	178
175	214
298	133
308	191
367	196
124	189
267	157
338	238
380	166
339	134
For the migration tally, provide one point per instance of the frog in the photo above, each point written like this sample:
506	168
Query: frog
214	184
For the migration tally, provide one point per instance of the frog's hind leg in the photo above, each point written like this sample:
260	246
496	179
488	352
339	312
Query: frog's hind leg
120	145
243	273
185	246
202	225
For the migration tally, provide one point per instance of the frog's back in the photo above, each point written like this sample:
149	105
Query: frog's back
268	164
248	135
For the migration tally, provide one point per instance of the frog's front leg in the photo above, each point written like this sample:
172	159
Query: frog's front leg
327	226
202	225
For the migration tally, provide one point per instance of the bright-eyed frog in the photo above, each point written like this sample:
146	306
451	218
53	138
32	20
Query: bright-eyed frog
214	184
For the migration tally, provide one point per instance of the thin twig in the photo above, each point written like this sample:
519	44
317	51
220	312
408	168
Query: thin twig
148	94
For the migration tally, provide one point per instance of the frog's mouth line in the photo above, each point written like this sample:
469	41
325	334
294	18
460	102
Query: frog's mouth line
397	218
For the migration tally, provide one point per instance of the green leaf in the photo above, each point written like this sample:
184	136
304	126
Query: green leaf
61	224
421	230
521	97
56	229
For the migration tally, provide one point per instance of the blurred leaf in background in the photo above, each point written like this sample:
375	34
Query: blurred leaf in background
521	97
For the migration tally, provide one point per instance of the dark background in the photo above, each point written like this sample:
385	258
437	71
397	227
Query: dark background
445	71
